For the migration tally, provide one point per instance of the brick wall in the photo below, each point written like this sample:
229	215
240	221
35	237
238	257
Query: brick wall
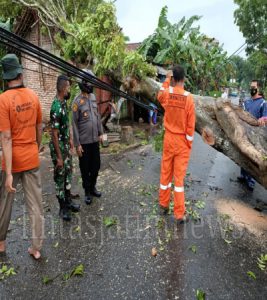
42	79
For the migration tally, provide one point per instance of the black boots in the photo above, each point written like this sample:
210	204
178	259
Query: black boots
67	206
70	204
87	199
95	192
65	214
64	211
73	207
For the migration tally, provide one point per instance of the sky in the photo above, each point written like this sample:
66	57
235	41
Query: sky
139	19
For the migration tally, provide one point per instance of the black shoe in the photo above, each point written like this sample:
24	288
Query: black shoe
87	200
74	207
183	220
163	210
64	213
95	192
241	179
250	188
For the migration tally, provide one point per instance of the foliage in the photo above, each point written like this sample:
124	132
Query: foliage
158	141
135	65
251	275
182	43
10	9
97	36
87	33
193	248
109	221
251	17
77	271
262	262
53	13
6	272
254	67
7	26
200	295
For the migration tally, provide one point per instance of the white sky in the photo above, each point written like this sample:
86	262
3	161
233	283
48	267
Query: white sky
139	18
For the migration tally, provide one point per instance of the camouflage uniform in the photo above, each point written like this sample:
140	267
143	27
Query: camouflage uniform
59	119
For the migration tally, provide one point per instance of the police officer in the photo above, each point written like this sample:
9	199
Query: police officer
60	147
87	132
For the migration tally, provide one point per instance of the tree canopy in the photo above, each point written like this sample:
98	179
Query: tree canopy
251	17
87	31
182	43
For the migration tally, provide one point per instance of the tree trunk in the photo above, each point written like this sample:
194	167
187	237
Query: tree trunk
224	126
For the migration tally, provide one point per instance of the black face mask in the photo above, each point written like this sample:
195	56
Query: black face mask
86	88
67	97
253	91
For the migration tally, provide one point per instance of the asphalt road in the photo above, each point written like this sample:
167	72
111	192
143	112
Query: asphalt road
213	254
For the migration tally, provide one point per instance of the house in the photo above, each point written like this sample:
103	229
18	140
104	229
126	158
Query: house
133	46
37	75
41	77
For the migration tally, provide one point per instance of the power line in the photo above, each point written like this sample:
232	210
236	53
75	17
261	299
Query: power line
253	41
237	50
26	47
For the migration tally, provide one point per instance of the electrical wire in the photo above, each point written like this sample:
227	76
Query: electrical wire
26	47
236	51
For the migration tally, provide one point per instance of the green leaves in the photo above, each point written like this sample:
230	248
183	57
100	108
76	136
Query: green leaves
200	295
163	20
193	248
6	272
182	43
200	204
251	275
262	262
110	221
77	271
47	280
134	64
255	30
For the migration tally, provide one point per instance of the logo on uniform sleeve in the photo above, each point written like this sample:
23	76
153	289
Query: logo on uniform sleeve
75	107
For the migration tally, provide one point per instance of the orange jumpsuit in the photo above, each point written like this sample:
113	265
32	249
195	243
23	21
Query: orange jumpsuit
179	123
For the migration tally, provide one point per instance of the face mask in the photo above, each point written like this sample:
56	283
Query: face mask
67	97
253	91
88	88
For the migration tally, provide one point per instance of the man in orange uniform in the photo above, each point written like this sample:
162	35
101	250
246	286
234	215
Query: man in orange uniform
21	134
179	123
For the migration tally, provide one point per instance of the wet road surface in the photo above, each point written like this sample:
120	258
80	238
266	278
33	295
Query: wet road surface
212	254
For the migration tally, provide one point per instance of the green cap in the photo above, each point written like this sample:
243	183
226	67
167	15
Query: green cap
11	67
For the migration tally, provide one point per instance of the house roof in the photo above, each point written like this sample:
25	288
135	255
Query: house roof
25	22
132	46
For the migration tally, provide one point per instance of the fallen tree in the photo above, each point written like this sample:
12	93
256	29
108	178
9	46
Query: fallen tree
224	126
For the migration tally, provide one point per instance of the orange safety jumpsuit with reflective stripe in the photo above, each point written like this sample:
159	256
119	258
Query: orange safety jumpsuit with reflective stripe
179	123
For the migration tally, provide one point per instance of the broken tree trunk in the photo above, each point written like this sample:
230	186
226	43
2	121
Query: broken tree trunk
224	126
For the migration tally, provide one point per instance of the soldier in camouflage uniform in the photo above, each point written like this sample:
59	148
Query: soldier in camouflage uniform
60	148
